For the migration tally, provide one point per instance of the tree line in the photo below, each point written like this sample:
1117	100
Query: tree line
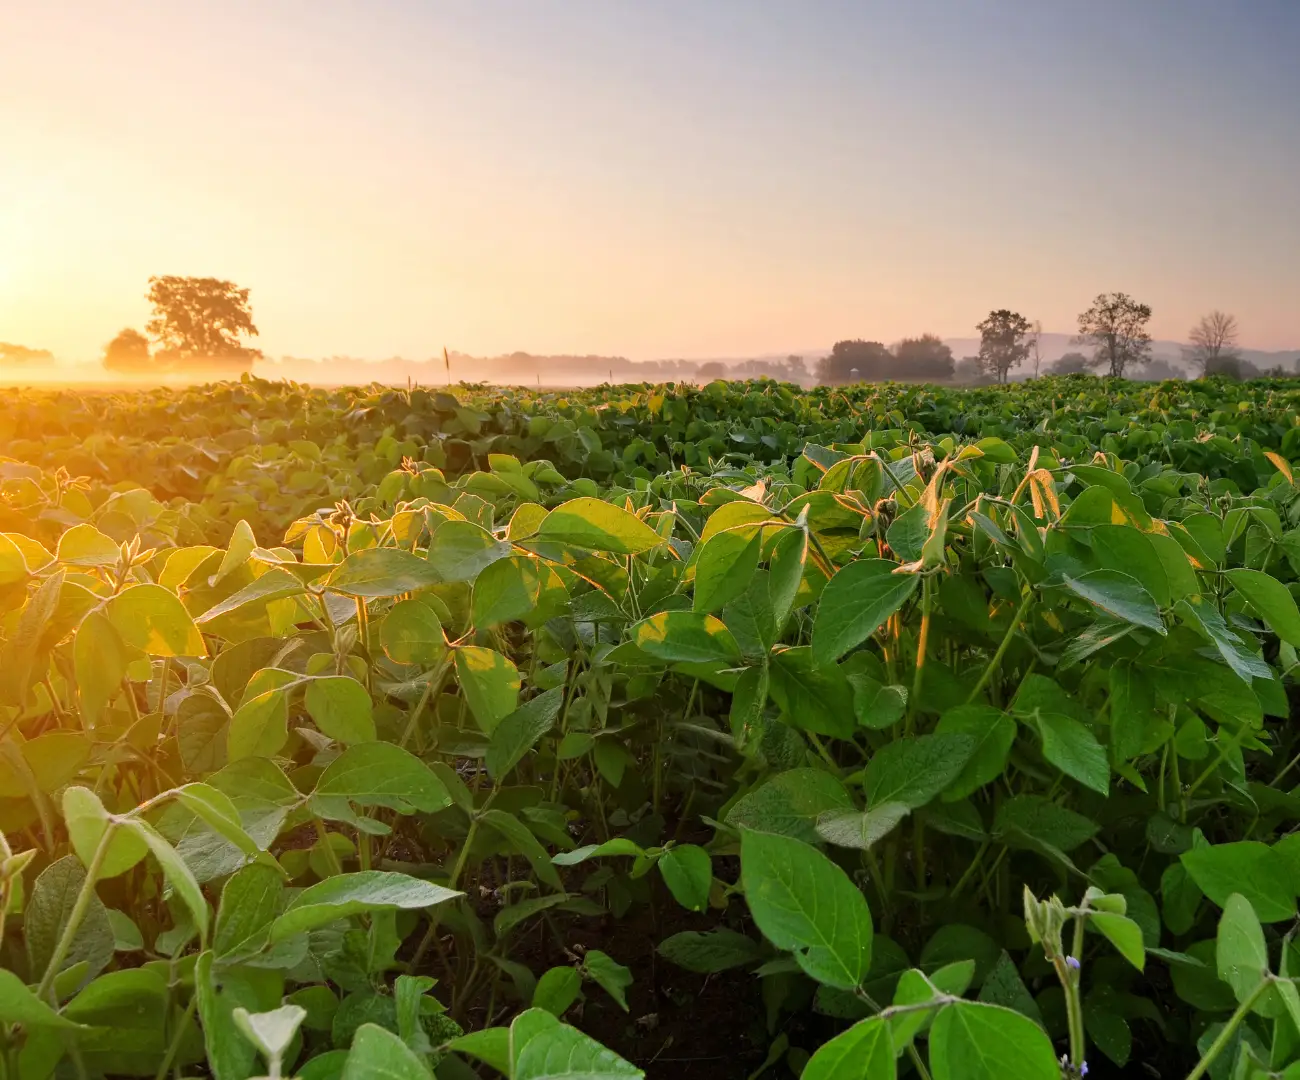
202	323
1113	329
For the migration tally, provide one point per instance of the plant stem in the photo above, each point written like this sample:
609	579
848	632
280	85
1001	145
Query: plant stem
178	1036
79	908
331	856
969	871
993	664
457	870
923	639
1230	1028
1078	1035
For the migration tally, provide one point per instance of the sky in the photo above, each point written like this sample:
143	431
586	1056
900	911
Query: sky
683	178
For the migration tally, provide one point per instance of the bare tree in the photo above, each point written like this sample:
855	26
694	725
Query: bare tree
1116	327
1035	335
1214	341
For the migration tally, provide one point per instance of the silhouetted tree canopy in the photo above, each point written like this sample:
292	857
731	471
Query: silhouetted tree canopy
197	319
925	357
1116	327
129	351
21	354
1006	338
1071	363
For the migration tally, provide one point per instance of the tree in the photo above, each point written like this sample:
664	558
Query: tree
924	357
1004	342
969	370
1230	367
1161	370
1071	363
129	351
1214	340
200	319
714	369
21	354
1035	340
1116	327
855	361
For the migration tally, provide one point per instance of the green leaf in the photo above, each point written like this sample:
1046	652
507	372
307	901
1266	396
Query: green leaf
1205	618
724	564
543	1048
272	1031
557	990
804	903
383	774
915	771
855	603
523	842
785	572
861	829
48	911
608	974
122	1009
790	804
907	533
18	1005
375	572
864	1052
460	550
1123	933
516	588
490	684
175	869
87	821
512	915
378	1054
817	698
411	633
249	904
351	894
1044	822
216	810
1129	550
617	845
1240	952
689	637
153	620
710	952
599	526
1073	749
1271	599
974	1041
687	870
260	726
1119	595
85	545
1259	873
877	706
340	708
275	584
491	1045
993	732
1004	986
100	658
518	733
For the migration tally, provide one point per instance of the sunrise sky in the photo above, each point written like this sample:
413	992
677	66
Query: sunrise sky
653	179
